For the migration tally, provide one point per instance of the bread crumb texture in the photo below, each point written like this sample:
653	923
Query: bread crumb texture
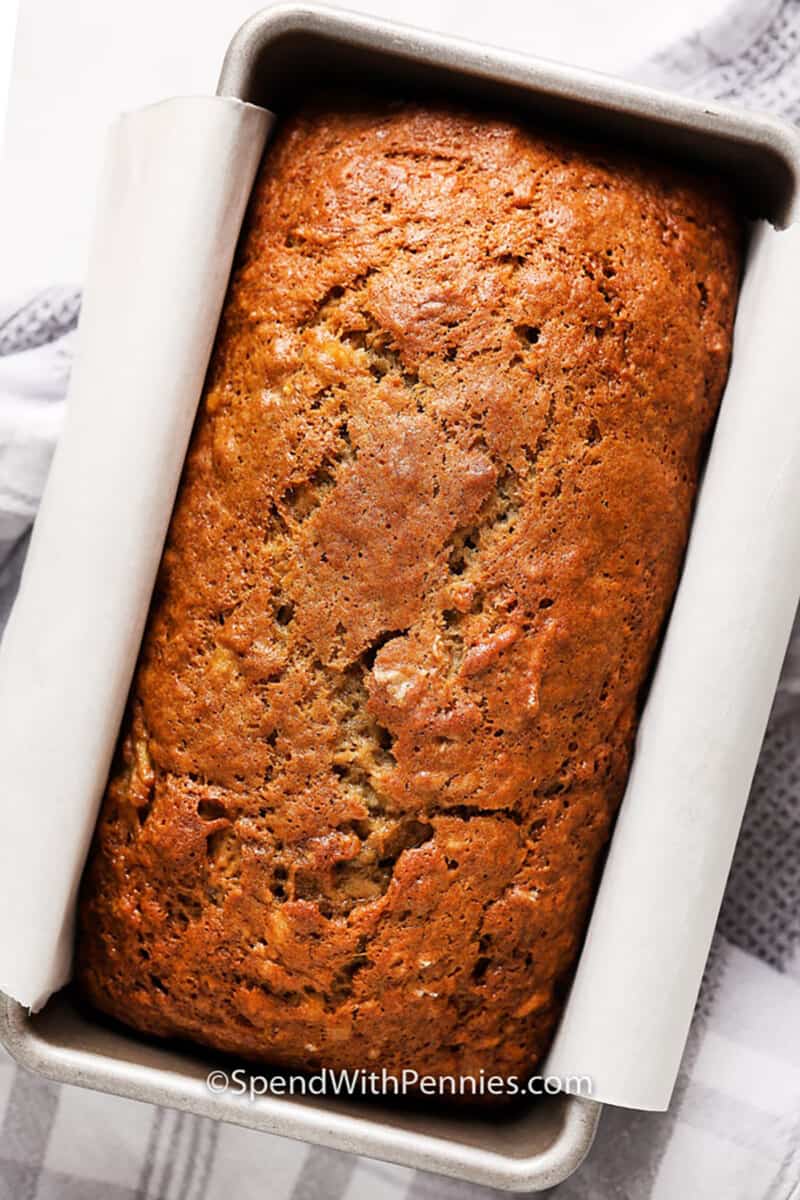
429	528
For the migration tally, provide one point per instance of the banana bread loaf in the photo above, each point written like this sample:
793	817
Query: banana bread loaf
430	525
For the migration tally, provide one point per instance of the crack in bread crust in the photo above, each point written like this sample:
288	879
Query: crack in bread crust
429	527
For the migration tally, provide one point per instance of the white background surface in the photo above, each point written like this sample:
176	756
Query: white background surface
78	62
8	21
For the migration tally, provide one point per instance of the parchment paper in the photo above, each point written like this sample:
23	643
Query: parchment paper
176	181
171	204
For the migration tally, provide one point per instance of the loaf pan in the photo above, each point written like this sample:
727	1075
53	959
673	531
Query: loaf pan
275	56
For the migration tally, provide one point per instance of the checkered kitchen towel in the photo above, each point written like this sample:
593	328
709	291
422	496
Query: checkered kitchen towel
733	1131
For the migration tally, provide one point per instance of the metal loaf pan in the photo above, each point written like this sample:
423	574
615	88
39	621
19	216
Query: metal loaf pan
276	56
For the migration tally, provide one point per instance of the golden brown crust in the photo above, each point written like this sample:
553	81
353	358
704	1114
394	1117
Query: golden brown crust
429	528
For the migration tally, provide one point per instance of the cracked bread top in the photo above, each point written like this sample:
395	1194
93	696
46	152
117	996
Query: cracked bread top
429	528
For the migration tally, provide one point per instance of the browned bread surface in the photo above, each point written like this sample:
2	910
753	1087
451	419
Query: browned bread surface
429	528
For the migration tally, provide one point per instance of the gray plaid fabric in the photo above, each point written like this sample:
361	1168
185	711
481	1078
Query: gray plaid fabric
733	1129
47	317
